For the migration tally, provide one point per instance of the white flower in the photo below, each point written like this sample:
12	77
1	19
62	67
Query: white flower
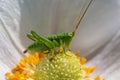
98	37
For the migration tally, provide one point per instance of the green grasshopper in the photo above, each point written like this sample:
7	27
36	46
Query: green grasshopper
42	43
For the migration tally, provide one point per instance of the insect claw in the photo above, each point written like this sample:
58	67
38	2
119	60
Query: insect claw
25	51
45	51
61	49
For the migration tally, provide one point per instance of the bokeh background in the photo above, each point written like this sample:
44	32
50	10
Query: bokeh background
97	38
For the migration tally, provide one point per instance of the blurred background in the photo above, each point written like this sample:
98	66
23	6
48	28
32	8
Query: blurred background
97	38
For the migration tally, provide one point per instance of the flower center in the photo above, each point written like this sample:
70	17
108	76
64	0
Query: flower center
25	69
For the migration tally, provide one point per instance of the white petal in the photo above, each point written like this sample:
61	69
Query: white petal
9	54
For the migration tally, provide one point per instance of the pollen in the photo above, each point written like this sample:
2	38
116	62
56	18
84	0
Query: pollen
25	69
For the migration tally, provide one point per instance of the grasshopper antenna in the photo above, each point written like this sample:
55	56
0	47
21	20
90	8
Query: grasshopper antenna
82	13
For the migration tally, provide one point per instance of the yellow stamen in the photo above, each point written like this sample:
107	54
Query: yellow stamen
89	70
83	60
25	69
